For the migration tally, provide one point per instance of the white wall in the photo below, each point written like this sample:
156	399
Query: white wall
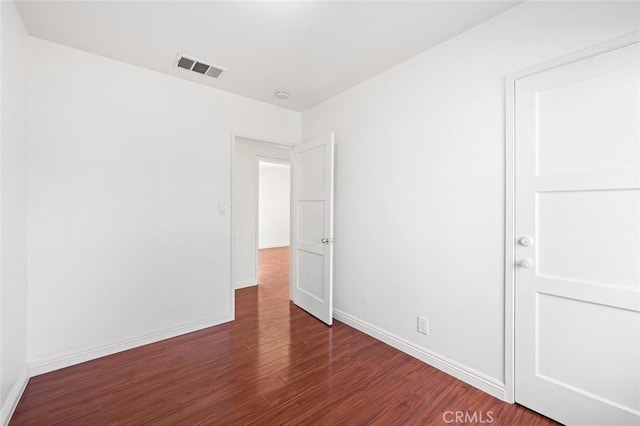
126	170
245	181
13	207
274	199
419	211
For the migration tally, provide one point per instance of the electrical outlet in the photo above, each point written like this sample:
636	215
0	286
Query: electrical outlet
423	325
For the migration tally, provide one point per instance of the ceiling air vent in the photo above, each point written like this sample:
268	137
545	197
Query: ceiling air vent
200	67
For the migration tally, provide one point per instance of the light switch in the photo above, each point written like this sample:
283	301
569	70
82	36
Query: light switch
223	209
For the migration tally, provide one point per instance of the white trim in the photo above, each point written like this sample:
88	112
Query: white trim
453	368
11	402
263	140
69	359
509	268
232	235
246	283
510	219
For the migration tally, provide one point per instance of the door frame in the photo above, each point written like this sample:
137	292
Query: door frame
232	170
510	219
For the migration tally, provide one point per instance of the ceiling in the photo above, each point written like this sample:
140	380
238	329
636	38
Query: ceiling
313	50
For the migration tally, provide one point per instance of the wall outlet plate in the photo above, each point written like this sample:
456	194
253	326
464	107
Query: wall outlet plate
423	325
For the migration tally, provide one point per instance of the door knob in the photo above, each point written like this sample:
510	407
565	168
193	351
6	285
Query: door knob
325	241
526	263
526	241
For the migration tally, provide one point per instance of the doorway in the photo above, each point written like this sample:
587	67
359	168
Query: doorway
274	221
274	201
311	183
260	218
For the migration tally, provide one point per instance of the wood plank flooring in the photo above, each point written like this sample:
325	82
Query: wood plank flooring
274	365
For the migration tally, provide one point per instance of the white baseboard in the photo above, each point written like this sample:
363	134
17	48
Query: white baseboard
273	245
14	396
246	283
453	368
67	360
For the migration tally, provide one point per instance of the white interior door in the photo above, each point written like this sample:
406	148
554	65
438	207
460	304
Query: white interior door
312	227
577	329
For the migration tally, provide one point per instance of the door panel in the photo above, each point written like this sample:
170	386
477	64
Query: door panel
577	174
312	227
584	236
310	224
311	170
311	274
566	324
576	117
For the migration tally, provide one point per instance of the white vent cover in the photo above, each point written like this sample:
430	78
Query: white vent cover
198	66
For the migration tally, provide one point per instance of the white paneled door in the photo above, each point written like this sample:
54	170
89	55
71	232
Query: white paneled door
577	228
312	227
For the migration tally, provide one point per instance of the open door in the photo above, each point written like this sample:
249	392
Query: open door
312	227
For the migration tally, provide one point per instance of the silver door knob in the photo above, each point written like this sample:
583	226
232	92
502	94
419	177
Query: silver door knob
325	241
526	263
525	241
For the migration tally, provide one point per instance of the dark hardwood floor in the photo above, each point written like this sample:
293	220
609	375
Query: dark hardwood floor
274	365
